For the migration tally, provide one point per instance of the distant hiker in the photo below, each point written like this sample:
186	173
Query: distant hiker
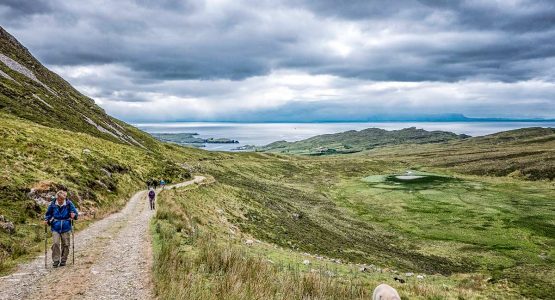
59	214
151	198
162	183
385	292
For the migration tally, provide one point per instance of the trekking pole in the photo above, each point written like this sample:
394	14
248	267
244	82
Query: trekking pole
72	244
45	246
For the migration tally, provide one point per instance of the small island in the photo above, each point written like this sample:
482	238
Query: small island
191	139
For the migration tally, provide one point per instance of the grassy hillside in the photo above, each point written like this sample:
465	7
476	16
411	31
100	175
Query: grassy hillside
356	141
470	236
527	153
31	91
36	160
271	226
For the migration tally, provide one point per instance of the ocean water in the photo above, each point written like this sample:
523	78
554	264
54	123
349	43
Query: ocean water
260	134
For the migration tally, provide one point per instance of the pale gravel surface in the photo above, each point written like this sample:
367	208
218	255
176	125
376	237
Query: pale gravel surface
113	259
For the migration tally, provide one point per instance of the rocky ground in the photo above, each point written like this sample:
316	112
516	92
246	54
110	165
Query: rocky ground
113	259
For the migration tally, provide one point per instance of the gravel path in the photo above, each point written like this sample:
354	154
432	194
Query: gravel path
113	259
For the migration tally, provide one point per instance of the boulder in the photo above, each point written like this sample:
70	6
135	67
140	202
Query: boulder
400	280
297	216
385	292
6	225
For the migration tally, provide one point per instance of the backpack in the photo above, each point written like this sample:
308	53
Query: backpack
151	194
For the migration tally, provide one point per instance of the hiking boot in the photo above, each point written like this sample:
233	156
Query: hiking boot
62	264
55	264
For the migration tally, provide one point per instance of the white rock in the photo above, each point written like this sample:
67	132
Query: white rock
306	262
409	274
249	242
420	277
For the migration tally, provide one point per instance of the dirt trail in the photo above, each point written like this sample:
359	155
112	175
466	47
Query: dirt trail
113	261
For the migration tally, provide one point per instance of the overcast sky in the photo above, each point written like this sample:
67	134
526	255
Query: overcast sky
266	60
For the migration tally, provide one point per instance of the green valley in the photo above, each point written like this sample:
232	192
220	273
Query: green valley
434	214
471	236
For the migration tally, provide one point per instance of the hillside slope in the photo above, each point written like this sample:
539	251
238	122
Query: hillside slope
356	141
527	153
31	91
36	161
277	226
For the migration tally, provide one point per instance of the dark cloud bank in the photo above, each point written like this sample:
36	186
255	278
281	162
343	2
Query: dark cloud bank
484	58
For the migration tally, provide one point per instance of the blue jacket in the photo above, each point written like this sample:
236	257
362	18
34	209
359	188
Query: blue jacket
58	216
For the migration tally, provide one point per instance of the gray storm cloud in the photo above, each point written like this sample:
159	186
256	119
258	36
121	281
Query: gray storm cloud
321	60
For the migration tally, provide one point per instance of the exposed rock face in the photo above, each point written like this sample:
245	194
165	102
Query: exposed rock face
45	191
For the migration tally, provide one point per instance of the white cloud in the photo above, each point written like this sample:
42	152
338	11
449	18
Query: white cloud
234	100
243	60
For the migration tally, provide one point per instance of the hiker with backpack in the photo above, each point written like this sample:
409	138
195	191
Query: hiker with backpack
59	216
151	198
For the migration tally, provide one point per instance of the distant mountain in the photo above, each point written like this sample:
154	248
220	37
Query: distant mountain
355	141
451	117
31	91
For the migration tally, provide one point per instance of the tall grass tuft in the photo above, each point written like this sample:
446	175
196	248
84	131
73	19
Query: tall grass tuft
211	269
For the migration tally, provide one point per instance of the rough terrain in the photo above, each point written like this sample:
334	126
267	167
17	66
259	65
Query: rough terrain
113	259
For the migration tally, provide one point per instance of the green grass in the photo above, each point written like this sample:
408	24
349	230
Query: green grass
101	182
479	236
200	254
473	236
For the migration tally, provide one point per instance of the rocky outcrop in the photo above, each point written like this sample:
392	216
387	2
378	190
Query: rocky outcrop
6	225
44	191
